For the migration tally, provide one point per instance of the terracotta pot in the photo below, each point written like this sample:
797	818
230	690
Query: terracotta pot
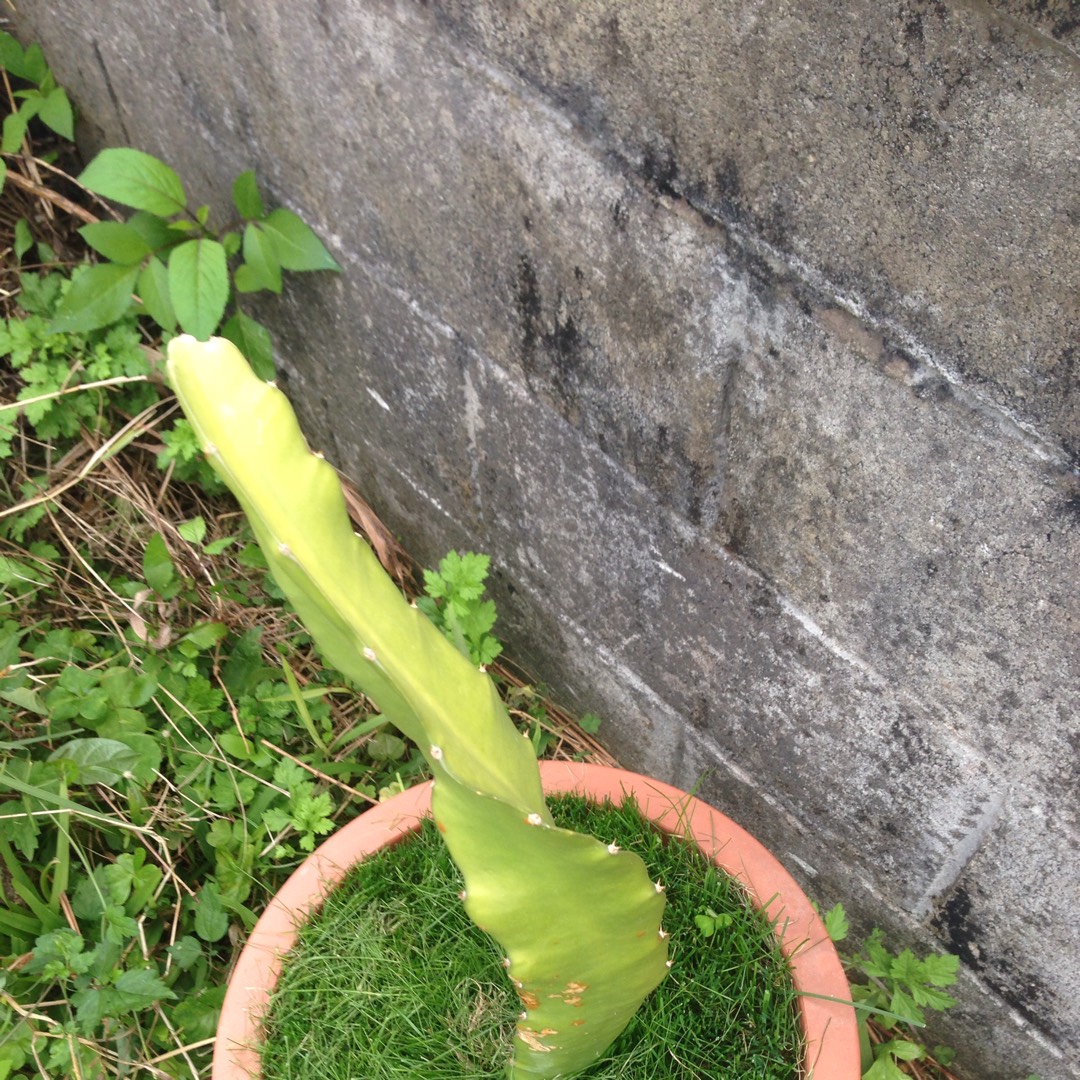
829	1026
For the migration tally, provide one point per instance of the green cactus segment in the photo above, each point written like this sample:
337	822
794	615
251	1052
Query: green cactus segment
351	607
580	924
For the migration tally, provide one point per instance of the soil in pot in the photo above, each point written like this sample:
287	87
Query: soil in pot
392	981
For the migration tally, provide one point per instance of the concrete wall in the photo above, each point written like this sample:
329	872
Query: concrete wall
744	336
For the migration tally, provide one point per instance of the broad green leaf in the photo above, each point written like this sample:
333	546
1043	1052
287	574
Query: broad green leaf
56	112
140	988
33	67
135	179
117	241
253	340
99	296
941	968
385	747
99	761
884	1068
295	244
24	241
836	923
590	723
11	55
211	921
3	180
199	286
246	280
13	131
206	635
108	886
185	952
261	260
158	569
147	752
156	231
193	531
246	197
153	291
904	1050
25	697
216	547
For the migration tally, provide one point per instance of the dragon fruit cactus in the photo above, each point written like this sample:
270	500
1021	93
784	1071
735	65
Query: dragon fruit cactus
579	921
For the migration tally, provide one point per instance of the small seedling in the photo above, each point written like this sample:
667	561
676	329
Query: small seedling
455	603
173	266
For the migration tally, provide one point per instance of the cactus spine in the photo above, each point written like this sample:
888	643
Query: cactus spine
579	922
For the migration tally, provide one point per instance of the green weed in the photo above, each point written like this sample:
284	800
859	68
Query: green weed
893	991
169	263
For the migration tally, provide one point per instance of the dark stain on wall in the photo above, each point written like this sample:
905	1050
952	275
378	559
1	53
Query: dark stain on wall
962	933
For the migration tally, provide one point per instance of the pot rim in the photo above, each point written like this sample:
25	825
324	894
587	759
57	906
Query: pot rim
827	1019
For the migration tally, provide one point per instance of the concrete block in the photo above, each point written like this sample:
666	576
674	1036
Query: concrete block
1031	854
916	161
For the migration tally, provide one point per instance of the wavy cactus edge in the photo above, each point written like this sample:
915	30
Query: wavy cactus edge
578	991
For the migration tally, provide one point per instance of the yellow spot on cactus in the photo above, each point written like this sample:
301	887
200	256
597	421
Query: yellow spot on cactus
532	1039
529	999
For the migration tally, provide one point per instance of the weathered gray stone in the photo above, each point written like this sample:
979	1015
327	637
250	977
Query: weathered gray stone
743	339
946	133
